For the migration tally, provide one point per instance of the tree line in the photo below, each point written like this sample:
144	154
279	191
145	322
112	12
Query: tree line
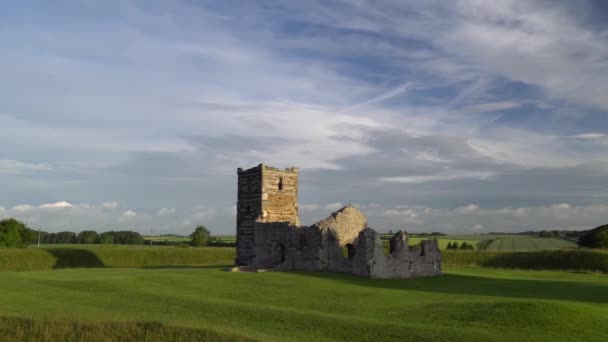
123	237
464	245
14	233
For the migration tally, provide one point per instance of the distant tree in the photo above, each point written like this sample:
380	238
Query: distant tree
87	237
390	232
452	245
128	238
106	238
464	245
11	233
595	238
65	237
200	237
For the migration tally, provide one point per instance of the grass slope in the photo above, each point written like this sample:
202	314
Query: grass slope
466	304
117	256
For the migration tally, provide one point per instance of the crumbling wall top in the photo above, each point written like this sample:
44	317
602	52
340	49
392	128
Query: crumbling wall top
345	224
266	167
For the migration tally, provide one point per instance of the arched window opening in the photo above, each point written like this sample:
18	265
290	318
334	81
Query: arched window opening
282	252
302	243
348	251
280	183
279	254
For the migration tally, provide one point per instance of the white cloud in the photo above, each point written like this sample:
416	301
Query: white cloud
445	176
475	219
129	214
56	205
309	207
468	209
334	206
165	211
491	106
590	136
109	205
478	227
17	167
21	208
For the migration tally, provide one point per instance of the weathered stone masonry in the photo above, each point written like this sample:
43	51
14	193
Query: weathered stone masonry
269	235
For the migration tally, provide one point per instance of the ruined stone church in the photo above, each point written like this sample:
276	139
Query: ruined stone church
269	235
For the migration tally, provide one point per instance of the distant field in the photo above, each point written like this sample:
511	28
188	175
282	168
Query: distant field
443	242
496	242
226	238
169	238
528	244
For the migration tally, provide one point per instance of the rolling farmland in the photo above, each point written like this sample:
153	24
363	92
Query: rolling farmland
528	244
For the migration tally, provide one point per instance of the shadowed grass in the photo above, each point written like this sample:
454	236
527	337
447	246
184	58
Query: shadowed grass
22	329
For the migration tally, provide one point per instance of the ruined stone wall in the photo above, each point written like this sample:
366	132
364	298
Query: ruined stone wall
404	261
265	194
280	195
340	231
248	209
269	235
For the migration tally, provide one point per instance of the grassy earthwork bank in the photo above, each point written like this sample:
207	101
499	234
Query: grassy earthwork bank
78	256
184	294
208	303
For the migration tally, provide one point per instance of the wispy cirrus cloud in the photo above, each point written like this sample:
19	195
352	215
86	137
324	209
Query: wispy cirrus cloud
154	105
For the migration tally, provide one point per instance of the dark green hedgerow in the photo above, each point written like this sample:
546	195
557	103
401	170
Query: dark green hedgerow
550	259
23	329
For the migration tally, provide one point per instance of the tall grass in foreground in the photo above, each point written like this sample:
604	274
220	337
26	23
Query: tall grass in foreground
41	259
22	329
582	259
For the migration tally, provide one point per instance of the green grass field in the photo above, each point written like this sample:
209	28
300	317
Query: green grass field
499	242
529	244
466	304
168	238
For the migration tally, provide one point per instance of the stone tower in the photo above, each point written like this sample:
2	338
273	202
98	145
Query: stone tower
265	194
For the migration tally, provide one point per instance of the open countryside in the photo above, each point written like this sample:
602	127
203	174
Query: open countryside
316	170
135	286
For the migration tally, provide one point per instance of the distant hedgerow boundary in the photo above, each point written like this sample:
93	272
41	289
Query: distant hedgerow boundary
125	256
22	329
87	257
573	259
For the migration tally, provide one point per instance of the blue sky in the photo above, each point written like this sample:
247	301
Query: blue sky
462	116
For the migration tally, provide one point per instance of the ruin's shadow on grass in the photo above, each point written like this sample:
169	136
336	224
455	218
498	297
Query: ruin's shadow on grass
482	286
75	258
222	268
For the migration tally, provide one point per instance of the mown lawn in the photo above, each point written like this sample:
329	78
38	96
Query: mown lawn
467	304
